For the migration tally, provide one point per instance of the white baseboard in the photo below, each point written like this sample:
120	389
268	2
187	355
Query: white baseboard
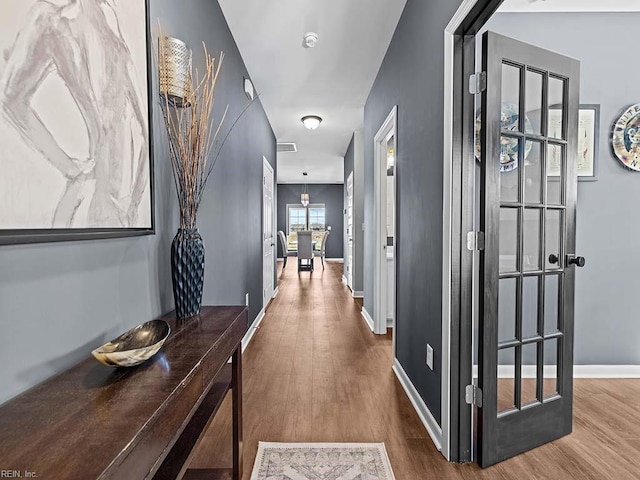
357	294
256	323
434	430
344	280
579	371
390	322
367	318
326	259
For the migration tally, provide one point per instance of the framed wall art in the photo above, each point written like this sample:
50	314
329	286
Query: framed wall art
76	158
625	138
588	133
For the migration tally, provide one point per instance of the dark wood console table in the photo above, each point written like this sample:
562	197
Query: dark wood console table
93	421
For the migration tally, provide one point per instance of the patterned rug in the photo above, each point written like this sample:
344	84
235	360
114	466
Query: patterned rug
322	461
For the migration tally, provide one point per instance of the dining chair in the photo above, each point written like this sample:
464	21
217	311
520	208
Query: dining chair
285	250
323	246
305	251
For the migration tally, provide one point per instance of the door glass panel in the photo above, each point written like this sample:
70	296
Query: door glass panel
508	239
555	164
529	373
531	240
506	381
533	173
551	303
551	375
555	100
529	307
509	186
506	309
509	153
533	100
510	97
553	229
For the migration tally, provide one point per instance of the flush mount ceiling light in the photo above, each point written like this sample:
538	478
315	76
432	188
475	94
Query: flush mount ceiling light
311	121
309	40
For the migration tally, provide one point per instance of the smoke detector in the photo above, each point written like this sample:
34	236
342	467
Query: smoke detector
309	40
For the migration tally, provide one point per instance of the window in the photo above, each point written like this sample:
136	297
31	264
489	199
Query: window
311	217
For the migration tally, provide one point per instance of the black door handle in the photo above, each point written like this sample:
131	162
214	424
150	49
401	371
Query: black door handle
553	258
577	261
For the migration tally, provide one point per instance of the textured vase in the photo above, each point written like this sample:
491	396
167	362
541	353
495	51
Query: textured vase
187	271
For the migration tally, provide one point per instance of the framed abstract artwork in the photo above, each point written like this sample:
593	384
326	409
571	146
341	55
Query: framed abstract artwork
588	133
76	149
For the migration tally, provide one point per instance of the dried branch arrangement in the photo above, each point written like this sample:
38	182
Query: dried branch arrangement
192	134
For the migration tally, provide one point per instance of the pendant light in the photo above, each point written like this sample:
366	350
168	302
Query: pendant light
304	196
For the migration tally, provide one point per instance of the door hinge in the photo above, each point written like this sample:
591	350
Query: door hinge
473	395
475	241
477	83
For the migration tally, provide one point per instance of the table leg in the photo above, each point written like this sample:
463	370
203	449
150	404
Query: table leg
236	386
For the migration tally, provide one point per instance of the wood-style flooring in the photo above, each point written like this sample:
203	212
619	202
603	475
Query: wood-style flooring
314	372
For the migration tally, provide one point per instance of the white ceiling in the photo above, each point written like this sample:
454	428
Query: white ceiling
570	6
331	80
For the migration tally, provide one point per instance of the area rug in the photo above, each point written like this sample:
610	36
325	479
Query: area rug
322	461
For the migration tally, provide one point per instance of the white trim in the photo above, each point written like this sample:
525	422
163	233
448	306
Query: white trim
357	294
344	281
252	330
275	292
338	259
390	322
389	126
449	36
579	371
430	423
367	318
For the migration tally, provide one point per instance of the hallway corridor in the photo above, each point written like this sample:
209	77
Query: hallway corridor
314	372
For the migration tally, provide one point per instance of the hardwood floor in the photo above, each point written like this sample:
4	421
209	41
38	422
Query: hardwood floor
314	372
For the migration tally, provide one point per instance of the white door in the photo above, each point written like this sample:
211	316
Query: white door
384	179
349	262
268	232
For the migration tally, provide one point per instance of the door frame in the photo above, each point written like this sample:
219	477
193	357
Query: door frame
389	126
348	229
266	166
458	418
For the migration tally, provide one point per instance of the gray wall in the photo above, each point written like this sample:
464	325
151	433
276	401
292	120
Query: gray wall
329	194
59	301
606	313
354	162
411	76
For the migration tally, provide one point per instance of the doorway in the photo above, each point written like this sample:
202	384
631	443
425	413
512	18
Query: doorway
268	232
516	266
385	164
349	232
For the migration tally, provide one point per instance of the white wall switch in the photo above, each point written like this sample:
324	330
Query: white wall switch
429	356
246	299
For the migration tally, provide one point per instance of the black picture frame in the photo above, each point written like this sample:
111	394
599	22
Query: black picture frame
44	235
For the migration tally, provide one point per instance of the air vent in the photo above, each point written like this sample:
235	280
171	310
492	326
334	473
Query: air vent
287	147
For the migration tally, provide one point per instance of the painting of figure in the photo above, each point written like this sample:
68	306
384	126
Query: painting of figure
74	124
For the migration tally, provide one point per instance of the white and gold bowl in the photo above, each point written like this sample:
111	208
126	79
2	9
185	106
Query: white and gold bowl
134	346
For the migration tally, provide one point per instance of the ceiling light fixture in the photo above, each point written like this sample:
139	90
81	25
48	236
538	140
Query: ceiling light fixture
311	121
310	40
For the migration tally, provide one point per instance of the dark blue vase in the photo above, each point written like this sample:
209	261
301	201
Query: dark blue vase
187	271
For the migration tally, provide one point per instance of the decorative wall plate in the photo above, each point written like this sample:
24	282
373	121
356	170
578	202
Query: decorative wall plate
508	146
626	138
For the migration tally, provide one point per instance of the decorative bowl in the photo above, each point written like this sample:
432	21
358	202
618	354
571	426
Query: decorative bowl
134	346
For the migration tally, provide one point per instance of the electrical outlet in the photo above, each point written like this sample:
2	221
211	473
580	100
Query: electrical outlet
429	356
246	299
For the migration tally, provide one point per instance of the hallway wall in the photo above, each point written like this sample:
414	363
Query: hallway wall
354	162
411	77
58	301
331	196
606	319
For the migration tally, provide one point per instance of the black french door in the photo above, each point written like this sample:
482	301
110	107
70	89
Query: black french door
528	150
